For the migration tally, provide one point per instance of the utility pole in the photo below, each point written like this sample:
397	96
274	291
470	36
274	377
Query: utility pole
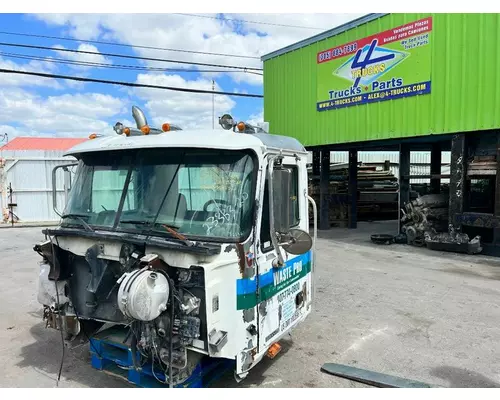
213	104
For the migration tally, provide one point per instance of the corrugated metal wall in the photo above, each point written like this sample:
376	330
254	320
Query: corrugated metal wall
465	86
30	173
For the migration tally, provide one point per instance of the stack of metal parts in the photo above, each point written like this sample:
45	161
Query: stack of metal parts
377	196
425	222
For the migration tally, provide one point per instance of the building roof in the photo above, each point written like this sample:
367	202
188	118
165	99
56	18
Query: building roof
323	35
208	139
38	143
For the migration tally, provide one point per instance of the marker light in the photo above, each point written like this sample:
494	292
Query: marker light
241	126
146	129
126	131
165	127
93	136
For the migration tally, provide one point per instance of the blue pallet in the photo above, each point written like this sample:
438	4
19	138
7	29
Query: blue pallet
111	353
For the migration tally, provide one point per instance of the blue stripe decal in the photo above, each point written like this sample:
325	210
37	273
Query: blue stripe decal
249	285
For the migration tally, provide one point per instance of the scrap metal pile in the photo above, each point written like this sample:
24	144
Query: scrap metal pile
425	222
377	194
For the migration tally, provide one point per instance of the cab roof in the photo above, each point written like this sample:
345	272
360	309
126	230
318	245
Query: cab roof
204	139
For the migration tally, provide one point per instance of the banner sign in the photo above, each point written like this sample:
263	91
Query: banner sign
389	65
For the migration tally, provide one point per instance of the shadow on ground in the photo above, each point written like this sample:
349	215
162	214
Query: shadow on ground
44	356
257	374
463	378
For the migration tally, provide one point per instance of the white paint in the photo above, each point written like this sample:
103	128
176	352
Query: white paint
361	341
267	383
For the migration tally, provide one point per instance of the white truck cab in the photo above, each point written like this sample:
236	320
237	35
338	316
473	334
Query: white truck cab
195	241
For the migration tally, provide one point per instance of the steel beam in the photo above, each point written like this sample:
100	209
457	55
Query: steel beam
404	181
353	189
324	183
457	180
436	167
316	162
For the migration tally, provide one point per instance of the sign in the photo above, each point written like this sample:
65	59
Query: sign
389	65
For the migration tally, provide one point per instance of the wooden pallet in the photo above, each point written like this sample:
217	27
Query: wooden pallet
110	352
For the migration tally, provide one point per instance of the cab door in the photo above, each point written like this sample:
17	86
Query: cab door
283	292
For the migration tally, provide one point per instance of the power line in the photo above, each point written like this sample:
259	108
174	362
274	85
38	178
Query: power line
130	84
126	45
250	22
29	46
115	66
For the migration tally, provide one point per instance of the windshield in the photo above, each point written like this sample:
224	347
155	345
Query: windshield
207	193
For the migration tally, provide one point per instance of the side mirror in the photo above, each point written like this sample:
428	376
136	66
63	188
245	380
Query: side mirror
294	241
297	242
282	202
66	185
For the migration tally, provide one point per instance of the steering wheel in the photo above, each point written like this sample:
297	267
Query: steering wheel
215	201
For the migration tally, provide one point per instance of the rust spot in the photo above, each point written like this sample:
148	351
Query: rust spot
253	353
241	257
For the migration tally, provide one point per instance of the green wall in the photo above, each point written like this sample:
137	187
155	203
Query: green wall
465	94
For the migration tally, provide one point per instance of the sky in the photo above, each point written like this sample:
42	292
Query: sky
35	106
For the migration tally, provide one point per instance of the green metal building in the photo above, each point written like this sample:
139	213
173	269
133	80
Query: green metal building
406	82
454	57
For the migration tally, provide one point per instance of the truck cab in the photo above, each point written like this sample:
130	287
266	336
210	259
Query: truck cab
195	241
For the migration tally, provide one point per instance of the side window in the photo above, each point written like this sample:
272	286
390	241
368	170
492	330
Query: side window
265	229
107	188
265	234
295	211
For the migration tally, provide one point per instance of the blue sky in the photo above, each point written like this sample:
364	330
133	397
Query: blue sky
46	107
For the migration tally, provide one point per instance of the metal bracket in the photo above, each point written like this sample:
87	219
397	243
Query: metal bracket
217	340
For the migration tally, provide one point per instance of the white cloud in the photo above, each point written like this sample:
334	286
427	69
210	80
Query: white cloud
95	105
74	115
7	79
201	34
11	132
189	110
82	57
88	30
254	119
66	115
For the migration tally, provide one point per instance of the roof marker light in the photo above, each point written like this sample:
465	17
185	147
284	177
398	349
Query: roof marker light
241	126
146	129
126	131
118	128
93	136
165	127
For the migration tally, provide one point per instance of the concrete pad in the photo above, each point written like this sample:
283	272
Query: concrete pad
413	313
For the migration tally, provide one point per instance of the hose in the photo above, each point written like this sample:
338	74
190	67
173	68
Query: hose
59	316
171	344
133	346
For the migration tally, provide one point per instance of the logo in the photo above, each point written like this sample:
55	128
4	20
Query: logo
369	64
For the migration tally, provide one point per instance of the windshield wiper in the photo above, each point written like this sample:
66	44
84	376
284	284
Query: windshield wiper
145	222
134	221
172	229
80	218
